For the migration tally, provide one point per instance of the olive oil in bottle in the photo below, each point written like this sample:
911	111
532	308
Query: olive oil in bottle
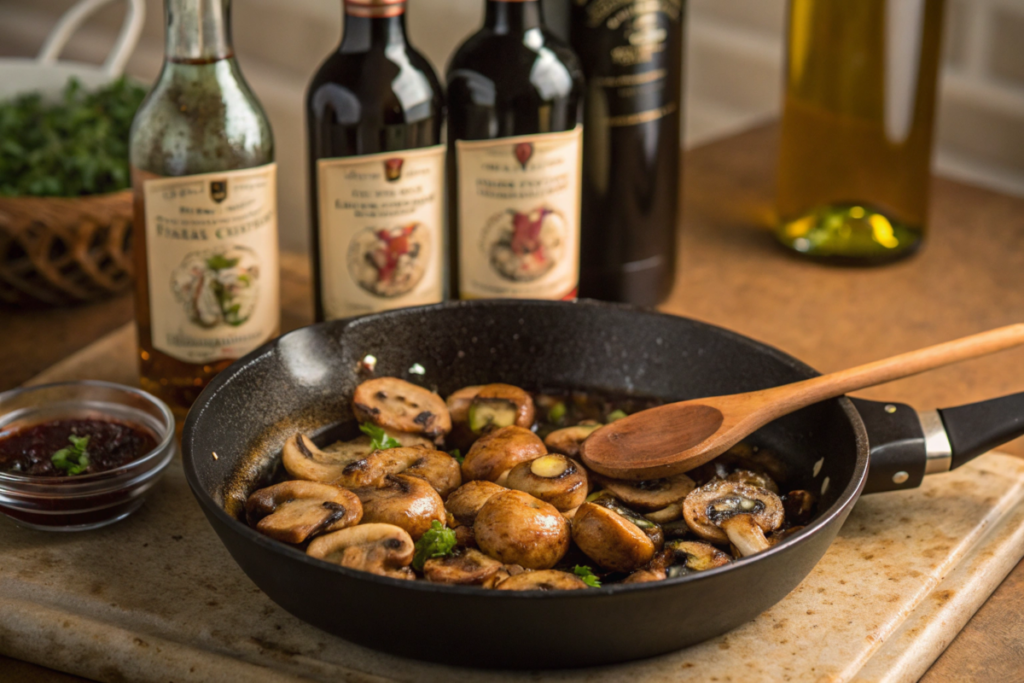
857	127
205	222
374	113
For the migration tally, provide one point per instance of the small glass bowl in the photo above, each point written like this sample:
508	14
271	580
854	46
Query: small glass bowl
86	501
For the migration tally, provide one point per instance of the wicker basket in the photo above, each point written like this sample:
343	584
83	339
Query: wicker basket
60	251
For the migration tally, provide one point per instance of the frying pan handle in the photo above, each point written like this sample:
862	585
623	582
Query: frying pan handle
977	428
907	445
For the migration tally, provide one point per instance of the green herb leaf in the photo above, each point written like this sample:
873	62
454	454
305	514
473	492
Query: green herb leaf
556	412
585	573
379	439
615	415
72	459
438	541
457	454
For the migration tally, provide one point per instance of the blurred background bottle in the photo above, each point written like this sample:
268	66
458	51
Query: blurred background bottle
205	187
857	127
632	56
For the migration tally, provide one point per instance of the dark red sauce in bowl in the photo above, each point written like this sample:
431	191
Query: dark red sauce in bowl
29	449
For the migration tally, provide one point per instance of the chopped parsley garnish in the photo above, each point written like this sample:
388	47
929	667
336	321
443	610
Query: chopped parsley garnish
586	575
73	459
615	415
457	454
379	439
557	412
438	541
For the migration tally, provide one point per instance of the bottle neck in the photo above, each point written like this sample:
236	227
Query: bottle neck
198	31
513	16
373	22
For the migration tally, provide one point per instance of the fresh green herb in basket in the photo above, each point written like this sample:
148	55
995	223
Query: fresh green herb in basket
75	146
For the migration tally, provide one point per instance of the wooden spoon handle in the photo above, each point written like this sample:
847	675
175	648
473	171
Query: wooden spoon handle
792	397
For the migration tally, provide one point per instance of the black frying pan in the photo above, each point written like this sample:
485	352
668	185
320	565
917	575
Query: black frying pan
304	380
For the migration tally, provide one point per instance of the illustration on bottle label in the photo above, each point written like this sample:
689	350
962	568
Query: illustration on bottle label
381	222
519	208
211	253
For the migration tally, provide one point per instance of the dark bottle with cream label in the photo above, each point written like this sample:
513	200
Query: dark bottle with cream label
632	56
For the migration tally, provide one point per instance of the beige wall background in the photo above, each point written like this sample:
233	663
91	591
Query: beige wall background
733	71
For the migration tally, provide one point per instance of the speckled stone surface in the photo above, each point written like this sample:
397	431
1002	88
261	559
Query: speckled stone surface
157	598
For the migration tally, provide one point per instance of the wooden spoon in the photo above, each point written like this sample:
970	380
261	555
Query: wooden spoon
677	437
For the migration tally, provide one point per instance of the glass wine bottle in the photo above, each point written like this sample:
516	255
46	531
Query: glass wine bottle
205	224
374	113
515	95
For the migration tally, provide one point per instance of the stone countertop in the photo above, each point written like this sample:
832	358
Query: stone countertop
969	277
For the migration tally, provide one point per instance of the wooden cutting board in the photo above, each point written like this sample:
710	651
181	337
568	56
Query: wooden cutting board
157	598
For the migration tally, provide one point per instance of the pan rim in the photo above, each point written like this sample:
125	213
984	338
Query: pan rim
846	499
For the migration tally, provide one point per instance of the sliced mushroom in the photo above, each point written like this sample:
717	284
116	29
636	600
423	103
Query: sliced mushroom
650	495
499	405
677	529
684	557
465	502
756	479
303	460
799	507
440	469
611	540
293	511
745	535
393	403
458	403
496	453
652	530
404	501
647	575
567	441
382	549
708	506
667	514
748	457
553	478
517	528
545	580
464	567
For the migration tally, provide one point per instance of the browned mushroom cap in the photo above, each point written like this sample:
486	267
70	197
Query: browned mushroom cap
517	528
405	501
667	514
458	403
382	549
499	405
799	507
553	478
440	469
651	529
650	495
393	403
645	575
708	506
684	557
496	453
611	540
546	580
464	567
465	502
756	479
293	511
567	441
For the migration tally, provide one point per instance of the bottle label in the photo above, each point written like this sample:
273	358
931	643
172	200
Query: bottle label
381	231
639	60
211	252
519	216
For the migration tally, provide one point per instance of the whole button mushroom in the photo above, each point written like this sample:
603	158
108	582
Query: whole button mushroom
293	511
516	528
464	567
610	539
726	511
382	549
496	453
404	501
393	403
552	478
499	405
546	580
465	502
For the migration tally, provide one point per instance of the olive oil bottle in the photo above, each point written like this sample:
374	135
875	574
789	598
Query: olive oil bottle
205	222
857	127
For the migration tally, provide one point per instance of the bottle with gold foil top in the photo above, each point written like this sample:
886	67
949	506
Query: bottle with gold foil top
374	112
857	128
515	95
205	224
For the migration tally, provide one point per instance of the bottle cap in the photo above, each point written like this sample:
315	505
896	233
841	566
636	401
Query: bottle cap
375	8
